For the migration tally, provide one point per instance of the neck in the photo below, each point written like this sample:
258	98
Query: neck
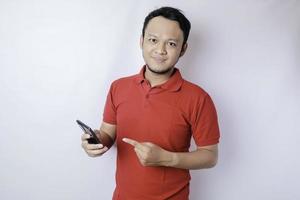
157	79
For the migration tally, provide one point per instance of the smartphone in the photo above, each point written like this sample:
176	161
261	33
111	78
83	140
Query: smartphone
93	139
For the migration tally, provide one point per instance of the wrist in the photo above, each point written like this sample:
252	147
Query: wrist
171	159
104	138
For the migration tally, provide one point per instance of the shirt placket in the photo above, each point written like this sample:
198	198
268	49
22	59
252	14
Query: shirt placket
148	93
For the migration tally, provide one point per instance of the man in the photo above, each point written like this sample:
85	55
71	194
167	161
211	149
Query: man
153	115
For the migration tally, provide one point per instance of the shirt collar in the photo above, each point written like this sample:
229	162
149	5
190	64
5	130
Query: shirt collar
173	84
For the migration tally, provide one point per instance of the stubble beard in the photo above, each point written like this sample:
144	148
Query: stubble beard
160	72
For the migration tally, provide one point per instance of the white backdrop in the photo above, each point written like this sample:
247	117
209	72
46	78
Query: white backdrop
58	58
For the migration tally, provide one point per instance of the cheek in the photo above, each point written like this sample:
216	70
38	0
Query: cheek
147	50
174	54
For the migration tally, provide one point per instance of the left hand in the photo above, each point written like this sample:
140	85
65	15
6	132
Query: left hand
150	154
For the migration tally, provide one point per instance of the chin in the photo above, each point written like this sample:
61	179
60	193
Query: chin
159	70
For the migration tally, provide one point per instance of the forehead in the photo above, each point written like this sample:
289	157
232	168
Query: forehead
163	27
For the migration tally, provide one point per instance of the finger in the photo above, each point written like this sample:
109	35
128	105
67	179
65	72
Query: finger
130	141
94	146
84	143
88	146
98	152
135	143
85	136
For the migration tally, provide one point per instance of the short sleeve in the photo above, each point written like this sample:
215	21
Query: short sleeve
109	114
205	128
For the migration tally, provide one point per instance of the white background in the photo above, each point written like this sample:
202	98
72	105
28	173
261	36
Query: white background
58	58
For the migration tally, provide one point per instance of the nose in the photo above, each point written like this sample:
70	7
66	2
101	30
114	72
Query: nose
161	49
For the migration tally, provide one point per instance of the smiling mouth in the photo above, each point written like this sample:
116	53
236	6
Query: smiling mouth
159	60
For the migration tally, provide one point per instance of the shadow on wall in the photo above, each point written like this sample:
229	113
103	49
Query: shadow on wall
297	53
188	63
193	67
204	181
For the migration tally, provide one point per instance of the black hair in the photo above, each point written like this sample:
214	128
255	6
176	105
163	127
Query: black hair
171	14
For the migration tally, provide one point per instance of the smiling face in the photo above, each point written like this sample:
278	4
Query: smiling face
162	45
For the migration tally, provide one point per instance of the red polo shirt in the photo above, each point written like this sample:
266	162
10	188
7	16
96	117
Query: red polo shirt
166	115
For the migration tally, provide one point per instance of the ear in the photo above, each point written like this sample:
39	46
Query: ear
141	41
183	49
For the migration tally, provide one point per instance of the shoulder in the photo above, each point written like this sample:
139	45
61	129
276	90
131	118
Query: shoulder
126	79
192	90
123	83
196	100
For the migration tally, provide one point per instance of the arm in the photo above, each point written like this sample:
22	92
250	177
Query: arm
150	154
107	134
203	157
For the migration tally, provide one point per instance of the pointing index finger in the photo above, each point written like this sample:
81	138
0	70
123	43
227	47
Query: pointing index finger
135	144
131	142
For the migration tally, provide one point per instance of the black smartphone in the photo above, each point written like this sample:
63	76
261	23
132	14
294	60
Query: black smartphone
93	139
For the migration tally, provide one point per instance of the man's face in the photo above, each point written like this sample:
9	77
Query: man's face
162	44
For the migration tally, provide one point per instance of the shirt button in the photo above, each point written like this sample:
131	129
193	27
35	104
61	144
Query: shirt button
147	96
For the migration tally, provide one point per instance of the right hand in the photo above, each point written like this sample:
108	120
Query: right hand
93	150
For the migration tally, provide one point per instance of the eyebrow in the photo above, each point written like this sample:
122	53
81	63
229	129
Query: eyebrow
153	35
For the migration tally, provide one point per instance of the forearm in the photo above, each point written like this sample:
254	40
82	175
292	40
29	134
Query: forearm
198	159
105	138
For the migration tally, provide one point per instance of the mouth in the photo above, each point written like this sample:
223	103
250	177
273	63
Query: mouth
159	59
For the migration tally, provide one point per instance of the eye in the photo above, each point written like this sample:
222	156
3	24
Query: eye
152	40
172	44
